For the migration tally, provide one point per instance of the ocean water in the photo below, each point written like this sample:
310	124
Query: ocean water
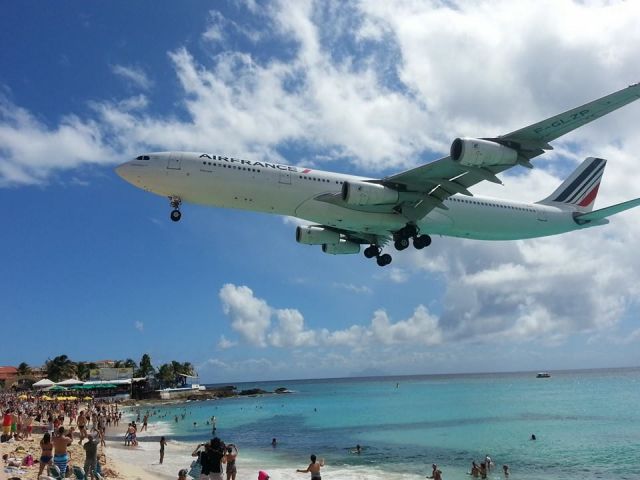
587	425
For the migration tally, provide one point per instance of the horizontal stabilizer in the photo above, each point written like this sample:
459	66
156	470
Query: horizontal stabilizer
606	212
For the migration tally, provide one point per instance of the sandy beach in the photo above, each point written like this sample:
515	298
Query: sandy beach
112	467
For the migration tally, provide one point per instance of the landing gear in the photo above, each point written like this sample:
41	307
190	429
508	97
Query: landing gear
401	243
372	251
383	260
175	204
421	241
402	236
375	251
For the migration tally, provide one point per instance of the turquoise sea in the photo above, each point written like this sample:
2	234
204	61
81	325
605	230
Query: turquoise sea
587	425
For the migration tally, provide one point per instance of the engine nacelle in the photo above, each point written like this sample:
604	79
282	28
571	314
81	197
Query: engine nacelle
344	247
363	193
312	235
474	152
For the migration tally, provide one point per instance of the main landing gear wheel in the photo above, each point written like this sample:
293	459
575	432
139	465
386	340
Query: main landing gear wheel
401	243
372	251
175	204
421	241
383	260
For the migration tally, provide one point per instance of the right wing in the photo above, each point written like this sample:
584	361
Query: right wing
425	187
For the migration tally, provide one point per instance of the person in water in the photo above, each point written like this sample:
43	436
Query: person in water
313	468
505	470
475	470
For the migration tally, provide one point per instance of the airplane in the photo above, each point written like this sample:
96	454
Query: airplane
348	211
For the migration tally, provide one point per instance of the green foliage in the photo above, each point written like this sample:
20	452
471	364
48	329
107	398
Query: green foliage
146	368
24	369
60	368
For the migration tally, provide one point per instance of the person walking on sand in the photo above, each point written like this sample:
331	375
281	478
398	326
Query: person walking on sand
313	468
145	421
163	442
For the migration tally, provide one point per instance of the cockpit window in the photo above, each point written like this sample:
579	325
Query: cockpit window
142	157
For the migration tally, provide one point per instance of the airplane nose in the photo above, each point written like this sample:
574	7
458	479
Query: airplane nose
123	170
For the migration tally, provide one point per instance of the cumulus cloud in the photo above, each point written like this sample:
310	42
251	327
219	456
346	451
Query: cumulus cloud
139	325
250	316
422	328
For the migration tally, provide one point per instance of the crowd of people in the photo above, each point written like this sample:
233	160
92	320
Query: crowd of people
41	420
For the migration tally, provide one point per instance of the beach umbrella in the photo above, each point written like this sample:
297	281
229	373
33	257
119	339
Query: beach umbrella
87	398
46	397
56	388
23	397
70	381
45	382
72	397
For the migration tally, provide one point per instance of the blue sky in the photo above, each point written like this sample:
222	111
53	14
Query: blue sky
93	268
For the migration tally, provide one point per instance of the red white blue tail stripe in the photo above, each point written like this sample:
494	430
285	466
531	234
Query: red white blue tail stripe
581	188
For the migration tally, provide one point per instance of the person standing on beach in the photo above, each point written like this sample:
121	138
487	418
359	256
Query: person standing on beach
46	455
313	468
60	444
91	457
230	460
163	442
216	455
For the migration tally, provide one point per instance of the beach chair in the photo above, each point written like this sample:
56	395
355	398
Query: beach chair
79	473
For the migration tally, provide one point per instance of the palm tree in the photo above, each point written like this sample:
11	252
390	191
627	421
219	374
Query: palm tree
60	367
130	363
146	368
166	375
84	370
23	369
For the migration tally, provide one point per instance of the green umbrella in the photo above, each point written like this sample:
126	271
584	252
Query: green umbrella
57	388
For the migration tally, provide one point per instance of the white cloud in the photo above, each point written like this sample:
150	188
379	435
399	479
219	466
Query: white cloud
224	343
135	75
360	289
250	316
255	327
139	325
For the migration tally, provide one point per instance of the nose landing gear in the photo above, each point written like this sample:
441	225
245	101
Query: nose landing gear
175	204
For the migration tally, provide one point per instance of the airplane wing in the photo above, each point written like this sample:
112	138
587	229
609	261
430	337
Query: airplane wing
425	187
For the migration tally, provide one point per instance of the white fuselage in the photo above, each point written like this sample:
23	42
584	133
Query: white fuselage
284	190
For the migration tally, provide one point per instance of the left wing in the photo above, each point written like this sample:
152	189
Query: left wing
471	161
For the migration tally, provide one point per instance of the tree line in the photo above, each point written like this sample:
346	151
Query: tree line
62	367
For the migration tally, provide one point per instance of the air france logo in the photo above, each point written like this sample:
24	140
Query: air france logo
275	166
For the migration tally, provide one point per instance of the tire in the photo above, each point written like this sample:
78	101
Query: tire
386	259
401	243
370	252
176	215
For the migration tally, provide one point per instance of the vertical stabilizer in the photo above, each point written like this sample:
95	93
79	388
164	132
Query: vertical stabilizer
581	188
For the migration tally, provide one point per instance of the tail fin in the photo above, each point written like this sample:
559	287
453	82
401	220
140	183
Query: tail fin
581	188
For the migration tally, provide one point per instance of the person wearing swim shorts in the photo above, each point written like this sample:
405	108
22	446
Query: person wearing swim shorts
313	468
60	444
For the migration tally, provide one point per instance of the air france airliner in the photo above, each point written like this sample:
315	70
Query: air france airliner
348	211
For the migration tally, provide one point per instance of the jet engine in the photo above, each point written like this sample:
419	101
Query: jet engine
344	247
314	235
363	193
473	152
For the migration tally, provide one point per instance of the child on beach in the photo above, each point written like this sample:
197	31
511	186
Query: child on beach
313	468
